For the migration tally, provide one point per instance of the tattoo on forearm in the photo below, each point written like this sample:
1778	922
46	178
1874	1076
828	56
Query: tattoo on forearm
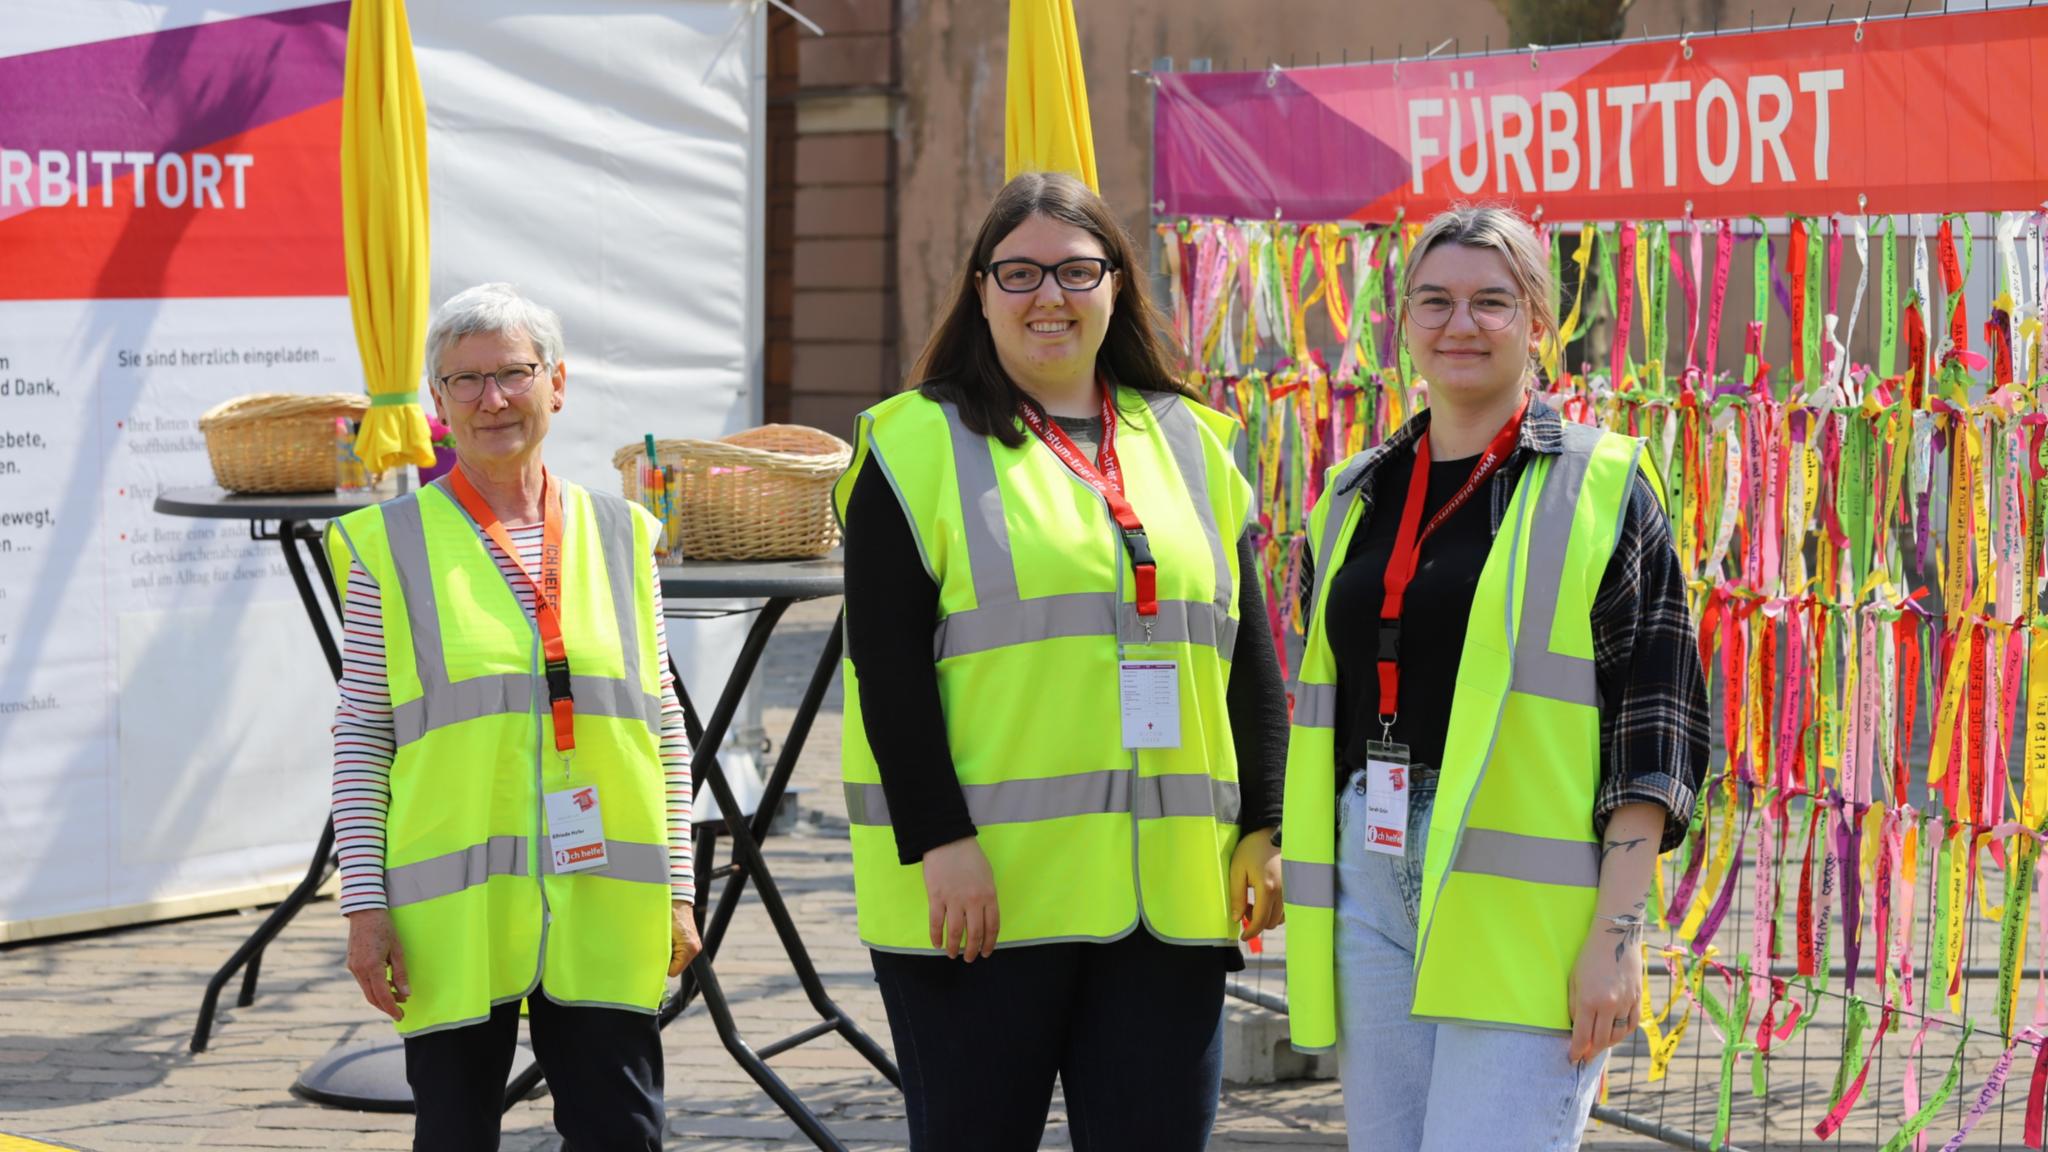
1627	928
1624	845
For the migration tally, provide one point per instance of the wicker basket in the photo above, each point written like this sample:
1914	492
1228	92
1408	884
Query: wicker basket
277	442
762	494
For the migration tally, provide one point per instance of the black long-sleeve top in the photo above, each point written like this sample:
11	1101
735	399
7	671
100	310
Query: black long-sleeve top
1654	719
892	604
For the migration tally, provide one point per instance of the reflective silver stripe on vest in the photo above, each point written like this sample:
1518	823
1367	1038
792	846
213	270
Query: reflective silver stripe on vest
512	693
1080	794
443	701
1537	859
1184	438
625	860
981	514
1187	794
1538	670
452	872
1315	705
1080	614
615	539
406	535
1000	618
1308	885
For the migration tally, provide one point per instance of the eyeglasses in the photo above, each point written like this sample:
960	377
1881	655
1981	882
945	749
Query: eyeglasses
1076	275
1492	312
512	380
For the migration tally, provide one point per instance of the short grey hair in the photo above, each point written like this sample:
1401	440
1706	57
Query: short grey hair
492	308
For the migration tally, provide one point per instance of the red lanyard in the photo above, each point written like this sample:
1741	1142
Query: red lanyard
1408	546
1108	483
547	590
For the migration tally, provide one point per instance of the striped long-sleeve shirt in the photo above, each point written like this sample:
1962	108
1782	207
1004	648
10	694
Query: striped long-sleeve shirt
365	741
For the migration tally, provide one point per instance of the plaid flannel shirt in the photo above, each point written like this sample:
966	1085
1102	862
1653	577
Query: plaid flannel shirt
1654	719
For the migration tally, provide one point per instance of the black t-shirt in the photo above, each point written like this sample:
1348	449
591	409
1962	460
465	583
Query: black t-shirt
1433	615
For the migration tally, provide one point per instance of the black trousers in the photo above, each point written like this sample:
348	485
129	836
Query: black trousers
603	1067
1132	1029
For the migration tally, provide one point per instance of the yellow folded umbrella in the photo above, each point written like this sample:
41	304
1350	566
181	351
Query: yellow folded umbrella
1045	114
384	228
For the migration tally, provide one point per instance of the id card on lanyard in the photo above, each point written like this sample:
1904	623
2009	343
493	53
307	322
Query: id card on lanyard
1148	690
1408	541
575	820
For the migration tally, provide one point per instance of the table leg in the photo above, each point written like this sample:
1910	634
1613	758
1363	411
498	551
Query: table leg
249	957
747	862
251	951
704	762
755	1064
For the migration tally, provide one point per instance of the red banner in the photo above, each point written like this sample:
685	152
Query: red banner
1920	114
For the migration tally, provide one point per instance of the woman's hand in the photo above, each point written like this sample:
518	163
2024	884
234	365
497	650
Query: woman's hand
377	961
960	892
1255	867
1606	988
1606	991
683	943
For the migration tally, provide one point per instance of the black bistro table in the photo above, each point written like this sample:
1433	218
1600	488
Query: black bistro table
293	518
372	1076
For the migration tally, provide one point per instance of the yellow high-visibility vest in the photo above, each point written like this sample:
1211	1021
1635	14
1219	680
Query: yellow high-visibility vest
1086	838
1512	868
483	917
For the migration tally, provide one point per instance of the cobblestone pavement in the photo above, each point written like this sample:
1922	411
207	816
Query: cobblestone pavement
94	1029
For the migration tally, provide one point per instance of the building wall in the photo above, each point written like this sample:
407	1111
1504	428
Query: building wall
898	144
955	57
842	347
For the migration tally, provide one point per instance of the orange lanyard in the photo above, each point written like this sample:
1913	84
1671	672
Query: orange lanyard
547	590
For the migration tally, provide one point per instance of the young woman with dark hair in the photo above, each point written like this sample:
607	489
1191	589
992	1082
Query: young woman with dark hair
1065	731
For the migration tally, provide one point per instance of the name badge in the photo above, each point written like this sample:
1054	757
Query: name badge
1386	798
1150	692
575	829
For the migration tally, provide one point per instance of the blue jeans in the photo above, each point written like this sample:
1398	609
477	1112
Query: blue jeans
1416	1086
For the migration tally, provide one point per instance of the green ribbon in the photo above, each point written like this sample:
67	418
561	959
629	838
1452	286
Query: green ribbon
1659	261
393	399
1852	497
1816	283
1853	1055
1830	715
1732	1026
1937	971
1888	295
2012	930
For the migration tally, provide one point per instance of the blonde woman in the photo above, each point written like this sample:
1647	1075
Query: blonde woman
1501	721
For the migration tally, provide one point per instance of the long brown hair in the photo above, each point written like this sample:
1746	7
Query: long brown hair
959	362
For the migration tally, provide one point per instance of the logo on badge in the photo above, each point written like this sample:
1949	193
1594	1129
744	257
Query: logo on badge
585	798
1390	837
1399	775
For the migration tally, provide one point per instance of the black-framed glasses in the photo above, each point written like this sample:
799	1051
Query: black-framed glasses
512	380
1492	311
1078	274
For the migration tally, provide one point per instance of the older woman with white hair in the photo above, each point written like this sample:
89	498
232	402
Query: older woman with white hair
511	774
